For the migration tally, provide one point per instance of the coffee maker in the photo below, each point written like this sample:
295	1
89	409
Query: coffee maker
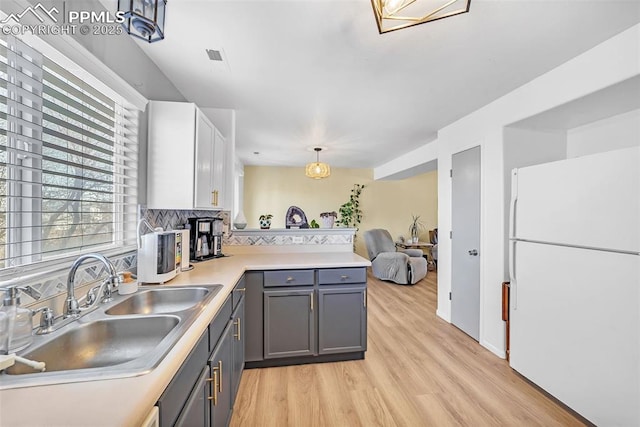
205	240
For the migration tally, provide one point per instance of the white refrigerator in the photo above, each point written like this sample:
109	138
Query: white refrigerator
574	261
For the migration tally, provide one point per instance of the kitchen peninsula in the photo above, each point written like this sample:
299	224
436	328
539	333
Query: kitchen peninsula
128	401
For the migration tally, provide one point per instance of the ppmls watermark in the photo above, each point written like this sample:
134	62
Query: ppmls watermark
55	22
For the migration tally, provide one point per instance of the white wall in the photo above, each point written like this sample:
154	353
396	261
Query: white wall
613	133
611	62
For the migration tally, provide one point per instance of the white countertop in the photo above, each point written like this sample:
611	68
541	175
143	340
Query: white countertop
126	401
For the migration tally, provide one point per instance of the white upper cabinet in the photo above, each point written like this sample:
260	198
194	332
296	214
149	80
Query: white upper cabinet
204	195
186	168
219	173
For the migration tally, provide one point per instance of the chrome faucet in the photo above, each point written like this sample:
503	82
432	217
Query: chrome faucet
71	305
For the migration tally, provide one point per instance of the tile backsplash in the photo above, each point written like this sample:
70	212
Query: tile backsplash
174	219
53	284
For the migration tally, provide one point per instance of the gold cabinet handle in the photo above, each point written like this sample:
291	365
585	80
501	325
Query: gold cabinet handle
220	379
289	279
237	323
213	197
241	289
311	295
344	277
214	396
216	197
364	299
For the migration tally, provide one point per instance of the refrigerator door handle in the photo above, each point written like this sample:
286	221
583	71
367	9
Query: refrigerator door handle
513	204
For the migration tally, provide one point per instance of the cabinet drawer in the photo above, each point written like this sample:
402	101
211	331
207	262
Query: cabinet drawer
219	323
333	276
288	278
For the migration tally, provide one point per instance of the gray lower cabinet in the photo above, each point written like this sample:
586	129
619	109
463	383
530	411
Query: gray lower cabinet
295	314
221	367
253	325
342	319
238	349
183	388
289	323
202	392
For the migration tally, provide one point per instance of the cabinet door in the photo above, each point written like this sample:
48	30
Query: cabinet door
196	411
204	191
218	173
289	326
170	154
220	366
254	309
342	319
238	349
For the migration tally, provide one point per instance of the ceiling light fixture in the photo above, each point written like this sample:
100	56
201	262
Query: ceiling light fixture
394	15
317	170
143	18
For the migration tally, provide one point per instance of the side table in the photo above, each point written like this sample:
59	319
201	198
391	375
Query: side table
420	245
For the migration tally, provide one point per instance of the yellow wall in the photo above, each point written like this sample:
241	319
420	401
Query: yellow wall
385	204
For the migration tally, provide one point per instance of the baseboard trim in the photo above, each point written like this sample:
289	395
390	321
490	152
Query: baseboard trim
501	353
303	360
442	316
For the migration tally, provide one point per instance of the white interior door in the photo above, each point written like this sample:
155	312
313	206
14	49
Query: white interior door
465	244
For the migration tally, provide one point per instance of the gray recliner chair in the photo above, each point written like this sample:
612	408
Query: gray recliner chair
405	267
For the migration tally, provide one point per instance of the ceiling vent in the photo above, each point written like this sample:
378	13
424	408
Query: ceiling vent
214	55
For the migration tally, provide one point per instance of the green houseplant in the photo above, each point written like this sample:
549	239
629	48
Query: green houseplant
350	212
265	221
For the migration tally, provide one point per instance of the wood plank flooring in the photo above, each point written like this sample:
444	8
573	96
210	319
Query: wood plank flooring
418	371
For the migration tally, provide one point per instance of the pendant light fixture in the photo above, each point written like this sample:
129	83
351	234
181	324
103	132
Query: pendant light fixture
317	170
143	18
394	15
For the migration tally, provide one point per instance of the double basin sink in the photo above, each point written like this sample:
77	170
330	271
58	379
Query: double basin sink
126	337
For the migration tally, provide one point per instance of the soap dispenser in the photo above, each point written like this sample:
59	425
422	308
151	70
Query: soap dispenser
20	320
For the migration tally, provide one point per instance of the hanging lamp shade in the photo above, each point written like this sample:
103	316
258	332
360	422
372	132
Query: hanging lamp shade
144	18
317	169
394	15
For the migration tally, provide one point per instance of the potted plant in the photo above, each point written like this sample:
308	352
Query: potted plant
350	213
265	221
328	219
415	227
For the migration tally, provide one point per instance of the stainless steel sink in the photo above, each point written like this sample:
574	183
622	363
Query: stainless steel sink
100	345
160	300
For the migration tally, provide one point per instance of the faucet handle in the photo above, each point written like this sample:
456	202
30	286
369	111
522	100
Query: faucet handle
47	319
92	295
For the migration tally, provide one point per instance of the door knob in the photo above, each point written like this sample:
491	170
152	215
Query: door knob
473	252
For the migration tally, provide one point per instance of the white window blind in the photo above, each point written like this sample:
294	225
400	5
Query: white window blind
68	161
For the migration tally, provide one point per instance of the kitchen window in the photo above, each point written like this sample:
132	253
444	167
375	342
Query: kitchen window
68	160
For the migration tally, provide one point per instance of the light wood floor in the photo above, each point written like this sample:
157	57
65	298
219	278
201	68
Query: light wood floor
418	371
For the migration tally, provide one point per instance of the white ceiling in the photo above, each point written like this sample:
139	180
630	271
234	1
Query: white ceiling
306	73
